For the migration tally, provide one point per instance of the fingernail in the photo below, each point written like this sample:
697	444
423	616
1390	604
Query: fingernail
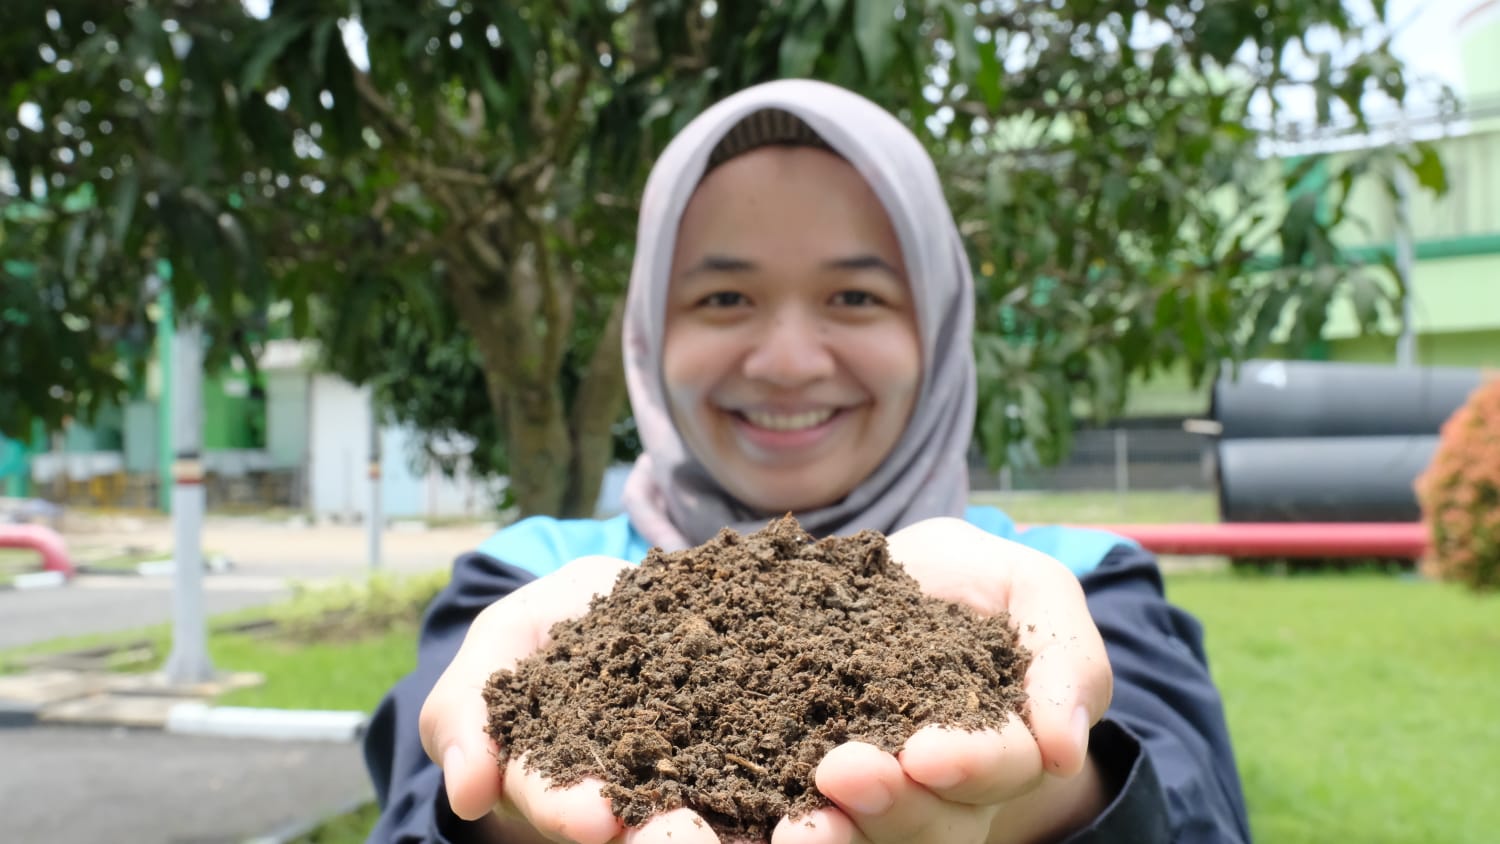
1081	728
873	799
947	777
453	758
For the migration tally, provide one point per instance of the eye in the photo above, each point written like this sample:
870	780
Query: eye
723	299
856	298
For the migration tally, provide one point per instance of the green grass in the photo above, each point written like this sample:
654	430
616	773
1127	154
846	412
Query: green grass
1363	708
1103	507
325	675
352	828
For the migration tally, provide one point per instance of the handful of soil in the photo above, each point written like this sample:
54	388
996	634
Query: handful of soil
718	677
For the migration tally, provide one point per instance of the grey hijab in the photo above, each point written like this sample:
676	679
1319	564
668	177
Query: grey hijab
670	498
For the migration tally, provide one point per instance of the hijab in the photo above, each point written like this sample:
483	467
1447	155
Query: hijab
670	498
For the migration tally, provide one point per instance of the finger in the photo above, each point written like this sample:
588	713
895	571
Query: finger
978	768
578	813
452	727
453	718
820	826
1069	682
868	785
682	826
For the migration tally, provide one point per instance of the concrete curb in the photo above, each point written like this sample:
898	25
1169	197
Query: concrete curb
166	567
35	580
16	713
201	719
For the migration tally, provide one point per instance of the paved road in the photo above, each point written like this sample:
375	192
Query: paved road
83	786
108	603
267	557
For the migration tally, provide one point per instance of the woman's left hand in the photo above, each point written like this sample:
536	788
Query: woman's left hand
1012	785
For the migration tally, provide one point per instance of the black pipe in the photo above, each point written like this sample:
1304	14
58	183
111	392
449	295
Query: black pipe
1322	479
1273	398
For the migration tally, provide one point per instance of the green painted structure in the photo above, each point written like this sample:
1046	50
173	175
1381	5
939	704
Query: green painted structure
1455	279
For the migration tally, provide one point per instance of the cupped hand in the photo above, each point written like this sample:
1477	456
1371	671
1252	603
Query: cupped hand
1009	785
453	719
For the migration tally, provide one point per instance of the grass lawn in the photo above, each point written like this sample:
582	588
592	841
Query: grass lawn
324	675
1361	705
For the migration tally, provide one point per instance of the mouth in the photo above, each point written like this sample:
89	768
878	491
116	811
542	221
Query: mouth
787	422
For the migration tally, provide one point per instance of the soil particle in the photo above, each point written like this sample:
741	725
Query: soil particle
717	678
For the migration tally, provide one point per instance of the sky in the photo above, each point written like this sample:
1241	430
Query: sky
1428	34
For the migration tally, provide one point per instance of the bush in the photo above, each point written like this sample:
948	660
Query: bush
354	608
1460	494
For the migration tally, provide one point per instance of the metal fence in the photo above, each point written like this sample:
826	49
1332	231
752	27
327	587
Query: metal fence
1159	457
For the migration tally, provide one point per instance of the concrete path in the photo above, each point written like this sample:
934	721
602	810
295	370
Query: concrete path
267	557
81	786
100	604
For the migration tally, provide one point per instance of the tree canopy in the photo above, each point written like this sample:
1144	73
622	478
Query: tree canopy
443	192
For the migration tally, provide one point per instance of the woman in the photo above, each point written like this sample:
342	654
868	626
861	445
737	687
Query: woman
798	339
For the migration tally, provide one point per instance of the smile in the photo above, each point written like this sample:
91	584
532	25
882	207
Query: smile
788	421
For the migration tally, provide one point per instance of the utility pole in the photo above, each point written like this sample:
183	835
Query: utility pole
1406	343
374	517
188	662
166	333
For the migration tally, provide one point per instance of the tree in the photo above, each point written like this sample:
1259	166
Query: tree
479	172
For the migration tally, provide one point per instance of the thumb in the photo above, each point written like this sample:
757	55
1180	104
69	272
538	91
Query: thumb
453	718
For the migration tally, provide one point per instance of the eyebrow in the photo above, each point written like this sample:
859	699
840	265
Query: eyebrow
730	264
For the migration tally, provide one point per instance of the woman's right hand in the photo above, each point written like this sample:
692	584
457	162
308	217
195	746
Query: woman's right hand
519	805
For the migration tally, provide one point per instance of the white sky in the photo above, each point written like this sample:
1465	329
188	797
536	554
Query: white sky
1427	37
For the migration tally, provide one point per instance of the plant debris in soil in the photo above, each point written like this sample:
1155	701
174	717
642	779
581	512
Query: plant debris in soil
717	678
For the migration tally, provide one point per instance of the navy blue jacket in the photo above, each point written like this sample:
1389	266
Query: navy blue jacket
1163	744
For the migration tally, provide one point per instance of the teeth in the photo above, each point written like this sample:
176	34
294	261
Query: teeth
788	421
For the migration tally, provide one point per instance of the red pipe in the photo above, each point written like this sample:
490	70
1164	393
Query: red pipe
1292	539
44	540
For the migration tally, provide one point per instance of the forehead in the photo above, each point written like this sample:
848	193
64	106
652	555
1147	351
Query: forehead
775	188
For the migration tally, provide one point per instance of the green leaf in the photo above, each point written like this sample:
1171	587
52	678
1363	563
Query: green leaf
874	31
1428	168
989	78
516	35
801	48
961	29
338	76
278	35
1366	296
73	245
122	207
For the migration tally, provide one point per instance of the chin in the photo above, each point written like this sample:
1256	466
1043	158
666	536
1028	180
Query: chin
794	499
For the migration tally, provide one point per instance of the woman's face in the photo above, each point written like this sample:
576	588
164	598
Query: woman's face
791	356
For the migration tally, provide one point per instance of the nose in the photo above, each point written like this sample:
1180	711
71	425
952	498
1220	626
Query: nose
791	349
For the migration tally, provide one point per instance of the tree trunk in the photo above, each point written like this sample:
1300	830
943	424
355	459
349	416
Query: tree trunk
601	393
541	456
528	401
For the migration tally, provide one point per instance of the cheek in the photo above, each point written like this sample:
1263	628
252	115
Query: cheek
891	364
687	372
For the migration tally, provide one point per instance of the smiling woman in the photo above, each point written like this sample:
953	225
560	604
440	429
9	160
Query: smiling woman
797	339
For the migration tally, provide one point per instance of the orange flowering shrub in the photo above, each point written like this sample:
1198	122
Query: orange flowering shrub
1460	494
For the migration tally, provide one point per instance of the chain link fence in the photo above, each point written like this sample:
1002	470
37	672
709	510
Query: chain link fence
1156	456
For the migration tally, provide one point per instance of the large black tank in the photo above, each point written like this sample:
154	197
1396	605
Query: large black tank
1273	398
1306	441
